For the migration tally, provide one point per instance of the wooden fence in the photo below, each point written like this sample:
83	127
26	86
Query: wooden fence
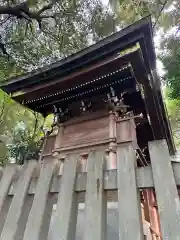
27	196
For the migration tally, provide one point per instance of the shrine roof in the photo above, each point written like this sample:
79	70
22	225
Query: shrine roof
140	32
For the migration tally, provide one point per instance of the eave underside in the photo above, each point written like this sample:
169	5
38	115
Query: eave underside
122	72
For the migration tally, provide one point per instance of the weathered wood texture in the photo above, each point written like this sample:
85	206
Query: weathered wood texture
64	225
86	132
15	209
144	179
27	196
130	221
35	220
6	181
95	200
166	190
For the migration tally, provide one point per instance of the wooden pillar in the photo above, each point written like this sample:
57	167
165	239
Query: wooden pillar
59	137
151	212
56	151
126	131
166	189
129	208
111	161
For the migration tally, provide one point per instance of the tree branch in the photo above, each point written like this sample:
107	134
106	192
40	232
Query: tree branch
5	20
16	10
49	6
22	11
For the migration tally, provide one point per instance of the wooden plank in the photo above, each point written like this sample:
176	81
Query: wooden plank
95	201
5	183
13	216
143	176
64	224
36	215
52	200
24	217
166	190
144	179
130	220
4	211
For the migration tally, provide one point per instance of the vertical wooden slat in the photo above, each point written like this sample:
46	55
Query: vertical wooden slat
64	223
130	221
95	201
13	216
24	217
5	183
48	216
4	211
35	219
166	190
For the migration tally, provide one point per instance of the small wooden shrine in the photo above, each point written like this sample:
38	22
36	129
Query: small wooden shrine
106	97
95	89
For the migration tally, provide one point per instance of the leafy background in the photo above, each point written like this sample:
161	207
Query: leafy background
34	33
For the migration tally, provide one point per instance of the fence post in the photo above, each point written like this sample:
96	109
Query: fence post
166	190
35	219
130	220
15	210
6	181
64	223
95	208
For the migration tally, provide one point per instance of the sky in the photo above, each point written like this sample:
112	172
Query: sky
105	2
159	65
